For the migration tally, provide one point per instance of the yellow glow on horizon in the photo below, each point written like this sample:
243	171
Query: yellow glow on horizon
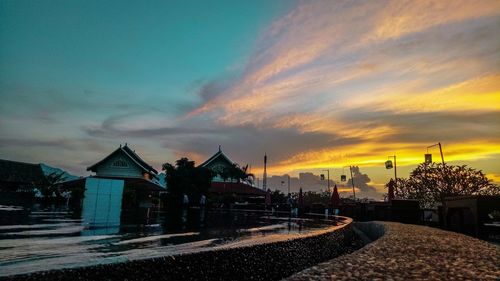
406	156
495	178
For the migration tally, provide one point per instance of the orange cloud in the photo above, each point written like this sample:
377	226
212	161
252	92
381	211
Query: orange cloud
394	75
403	17
482	93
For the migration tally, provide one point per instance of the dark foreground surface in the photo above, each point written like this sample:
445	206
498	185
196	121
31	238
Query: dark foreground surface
272	257
411	252
58	238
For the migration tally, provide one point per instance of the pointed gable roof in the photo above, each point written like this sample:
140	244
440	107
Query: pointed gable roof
218	155
130	154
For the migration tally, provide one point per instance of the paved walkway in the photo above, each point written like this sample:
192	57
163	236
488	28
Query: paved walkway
412	252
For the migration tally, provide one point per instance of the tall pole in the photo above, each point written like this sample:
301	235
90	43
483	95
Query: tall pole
264	180
395	174
352	181
328	178
288	185
441	151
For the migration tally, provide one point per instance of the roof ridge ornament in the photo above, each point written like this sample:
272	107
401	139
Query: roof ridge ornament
220	148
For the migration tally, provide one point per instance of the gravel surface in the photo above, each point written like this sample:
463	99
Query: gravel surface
412	252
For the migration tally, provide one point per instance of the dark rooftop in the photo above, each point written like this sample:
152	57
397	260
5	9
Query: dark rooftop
20	172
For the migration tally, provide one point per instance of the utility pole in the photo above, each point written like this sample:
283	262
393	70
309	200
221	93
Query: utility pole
352	181
288	185
264	180
440	151
395	172
328	178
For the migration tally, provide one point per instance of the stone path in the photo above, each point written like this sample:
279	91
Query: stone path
412	252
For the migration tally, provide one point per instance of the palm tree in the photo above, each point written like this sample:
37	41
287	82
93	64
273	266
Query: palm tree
248	177
53	180
238	174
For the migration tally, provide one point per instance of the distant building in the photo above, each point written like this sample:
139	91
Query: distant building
21	177
123	174
471	215
217	163
124	163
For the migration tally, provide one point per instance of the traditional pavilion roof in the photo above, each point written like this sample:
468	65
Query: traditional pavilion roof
20	172
218	155
125	150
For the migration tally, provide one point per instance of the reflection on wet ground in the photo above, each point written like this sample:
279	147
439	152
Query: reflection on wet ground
52	238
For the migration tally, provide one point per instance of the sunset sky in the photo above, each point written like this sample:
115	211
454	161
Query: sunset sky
315	84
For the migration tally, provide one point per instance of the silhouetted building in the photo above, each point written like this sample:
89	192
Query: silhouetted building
218	163
124	163
469	215
122	177
20	177
405	211
221	184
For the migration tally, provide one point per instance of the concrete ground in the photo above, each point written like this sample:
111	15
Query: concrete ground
411	252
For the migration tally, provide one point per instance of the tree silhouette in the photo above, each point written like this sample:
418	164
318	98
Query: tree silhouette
185	178
238	174
432	183
53	181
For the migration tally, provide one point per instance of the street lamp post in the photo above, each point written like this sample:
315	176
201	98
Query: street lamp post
428	157
342	178
352	182
395	170
328	178
283	184
288	185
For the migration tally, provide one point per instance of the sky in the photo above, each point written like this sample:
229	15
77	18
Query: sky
316	85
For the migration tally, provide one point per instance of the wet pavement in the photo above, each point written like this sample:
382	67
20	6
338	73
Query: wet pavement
47	238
